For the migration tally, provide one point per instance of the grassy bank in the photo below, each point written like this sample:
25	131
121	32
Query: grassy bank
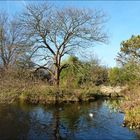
39	92
20	87
47	94
131	107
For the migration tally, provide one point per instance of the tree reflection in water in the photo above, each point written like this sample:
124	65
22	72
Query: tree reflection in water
67	121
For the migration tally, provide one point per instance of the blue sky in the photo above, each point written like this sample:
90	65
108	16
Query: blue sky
124	21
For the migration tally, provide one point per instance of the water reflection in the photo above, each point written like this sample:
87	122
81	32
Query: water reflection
69	121
113	104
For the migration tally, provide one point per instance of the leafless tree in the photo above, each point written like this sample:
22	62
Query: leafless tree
12	43
60	32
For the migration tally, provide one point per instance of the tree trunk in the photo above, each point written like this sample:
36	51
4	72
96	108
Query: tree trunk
57	77
56	82
57	59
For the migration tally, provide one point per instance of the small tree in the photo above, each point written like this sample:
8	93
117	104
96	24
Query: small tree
60	32
83	73
129	58
130	50
71	75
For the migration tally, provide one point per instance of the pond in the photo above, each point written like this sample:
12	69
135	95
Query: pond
85	121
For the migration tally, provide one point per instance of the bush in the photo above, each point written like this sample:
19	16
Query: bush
128	74
79	74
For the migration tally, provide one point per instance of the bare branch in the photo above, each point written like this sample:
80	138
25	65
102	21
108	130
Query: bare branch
62	31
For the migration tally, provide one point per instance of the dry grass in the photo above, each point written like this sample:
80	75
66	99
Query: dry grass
48	94
21	87
131	107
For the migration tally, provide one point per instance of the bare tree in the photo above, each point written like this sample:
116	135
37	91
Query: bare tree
12	43
60	32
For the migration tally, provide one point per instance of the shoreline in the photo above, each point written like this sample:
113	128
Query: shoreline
49	95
